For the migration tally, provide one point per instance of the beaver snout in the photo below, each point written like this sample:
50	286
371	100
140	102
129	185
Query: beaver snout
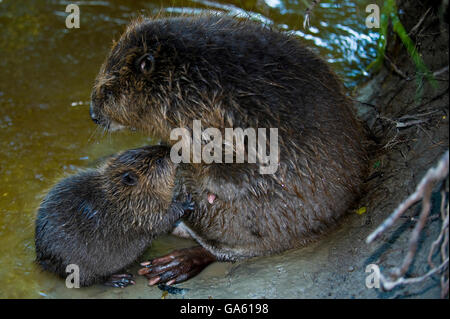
99	117
93	114
99	97
109	124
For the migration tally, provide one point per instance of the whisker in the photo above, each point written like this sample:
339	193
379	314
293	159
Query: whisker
93	134
105	131
108	133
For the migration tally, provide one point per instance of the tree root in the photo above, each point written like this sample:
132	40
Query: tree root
423	192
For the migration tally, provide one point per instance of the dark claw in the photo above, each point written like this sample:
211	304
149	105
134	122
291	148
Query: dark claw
172	290
120	281
176	267
188	204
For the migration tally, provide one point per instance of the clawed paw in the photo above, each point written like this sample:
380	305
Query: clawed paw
188	204
120	281
178	266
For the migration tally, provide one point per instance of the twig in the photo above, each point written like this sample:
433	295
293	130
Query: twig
410	123
416	116
396	69
389	285
439	72
391	143
399	124
423	191
433	175
417	26
414	239
435	243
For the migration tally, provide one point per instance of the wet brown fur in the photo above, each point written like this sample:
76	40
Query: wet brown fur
94	220
235	73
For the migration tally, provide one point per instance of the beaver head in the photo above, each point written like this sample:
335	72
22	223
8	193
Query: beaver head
163	73
103	219
139	182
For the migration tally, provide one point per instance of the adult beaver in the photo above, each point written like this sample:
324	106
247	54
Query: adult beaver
165	73
103	219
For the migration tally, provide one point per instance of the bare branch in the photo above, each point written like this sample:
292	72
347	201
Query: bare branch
389	285
396	69
417	26
444	227
423	192
432	176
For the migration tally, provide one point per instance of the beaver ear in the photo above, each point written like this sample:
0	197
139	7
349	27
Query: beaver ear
129	178
145	64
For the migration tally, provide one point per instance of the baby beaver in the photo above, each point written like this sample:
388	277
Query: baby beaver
165	73
103	219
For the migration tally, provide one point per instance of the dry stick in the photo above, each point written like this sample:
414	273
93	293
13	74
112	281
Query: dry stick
416	27
439	72
437	241
444	281
392	142
426	205
433	175
444	245
444	248
423	191
389	285
399	124
409	123
444	217
396	69
416	116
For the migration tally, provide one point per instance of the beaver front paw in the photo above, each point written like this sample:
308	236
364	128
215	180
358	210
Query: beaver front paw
178	266
188	205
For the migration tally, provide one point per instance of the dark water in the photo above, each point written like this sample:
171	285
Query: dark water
46	74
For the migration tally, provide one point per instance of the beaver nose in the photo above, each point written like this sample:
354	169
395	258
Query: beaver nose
92	114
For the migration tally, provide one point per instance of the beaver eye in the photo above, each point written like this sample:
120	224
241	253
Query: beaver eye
129	178
146	63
